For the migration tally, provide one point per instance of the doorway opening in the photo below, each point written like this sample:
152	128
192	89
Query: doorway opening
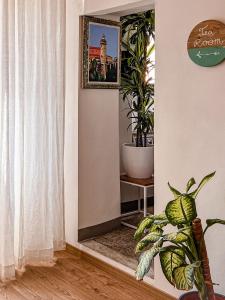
114	239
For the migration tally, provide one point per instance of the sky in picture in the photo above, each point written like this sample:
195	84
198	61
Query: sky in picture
111	34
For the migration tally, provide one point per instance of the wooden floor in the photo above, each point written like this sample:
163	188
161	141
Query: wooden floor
72	277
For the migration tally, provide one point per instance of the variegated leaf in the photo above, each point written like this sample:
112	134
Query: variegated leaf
150	238
160	217
178	237
170	258
184	276
146	258
148	222
145	223
181	210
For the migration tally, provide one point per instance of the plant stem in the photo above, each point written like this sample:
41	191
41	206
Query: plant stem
199	278
200	284
202	293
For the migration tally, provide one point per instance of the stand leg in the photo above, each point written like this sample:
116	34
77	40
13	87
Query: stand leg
145	201
139	199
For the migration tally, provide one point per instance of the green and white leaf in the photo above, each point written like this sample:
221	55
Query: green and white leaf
146	223
201	184
178	237
181	210
171	257
162	223
184	276
150	238
155	227
160	217
190	183
146	258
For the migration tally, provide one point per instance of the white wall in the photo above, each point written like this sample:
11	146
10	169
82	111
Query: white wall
73	9
99	194
99	185
190	120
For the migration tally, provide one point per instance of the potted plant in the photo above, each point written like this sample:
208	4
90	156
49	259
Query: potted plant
138	90
182	253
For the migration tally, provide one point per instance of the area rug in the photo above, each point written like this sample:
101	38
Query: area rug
120	240
119	244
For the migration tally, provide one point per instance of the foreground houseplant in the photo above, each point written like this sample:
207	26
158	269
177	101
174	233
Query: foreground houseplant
184	258
138	90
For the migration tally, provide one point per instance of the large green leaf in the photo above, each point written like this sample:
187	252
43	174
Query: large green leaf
201	184
184	276
178	237
153	222
146	258
181	210
171	257
150	238
145	223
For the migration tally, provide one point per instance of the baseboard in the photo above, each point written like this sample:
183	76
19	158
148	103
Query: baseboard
133	205
103	228
152	291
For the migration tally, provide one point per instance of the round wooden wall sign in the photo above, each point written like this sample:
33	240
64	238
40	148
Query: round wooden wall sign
206	43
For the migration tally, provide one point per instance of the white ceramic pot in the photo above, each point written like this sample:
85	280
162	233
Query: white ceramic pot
138	162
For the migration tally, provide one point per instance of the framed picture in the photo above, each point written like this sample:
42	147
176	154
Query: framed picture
101	53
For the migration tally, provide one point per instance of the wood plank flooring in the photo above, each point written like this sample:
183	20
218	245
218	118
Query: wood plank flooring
72	278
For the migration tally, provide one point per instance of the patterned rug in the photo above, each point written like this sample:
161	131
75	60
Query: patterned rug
119	244
120	240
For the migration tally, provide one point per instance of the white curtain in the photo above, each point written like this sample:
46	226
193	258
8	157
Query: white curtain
32	49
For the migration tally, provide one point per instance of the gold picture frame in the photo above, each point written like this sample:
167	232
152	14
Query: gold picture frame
101	53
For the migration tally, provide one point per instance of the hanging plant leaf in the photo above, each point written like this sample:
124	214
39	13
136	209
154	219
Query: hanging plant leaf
184	276
181	210
150	238
171	257
146	223
201	184
146	258
178	237
160	220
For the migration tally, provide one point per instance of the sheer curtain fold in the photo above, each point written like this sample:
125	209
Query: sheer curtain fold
32	50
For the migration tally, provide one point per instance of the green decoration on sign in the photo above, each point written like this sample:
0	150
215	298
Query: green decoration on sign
206	43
